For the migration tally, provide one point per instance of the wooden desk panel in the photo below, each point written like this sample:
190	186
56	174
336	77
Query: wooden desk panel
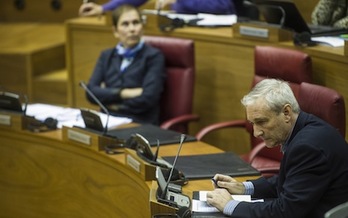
44	177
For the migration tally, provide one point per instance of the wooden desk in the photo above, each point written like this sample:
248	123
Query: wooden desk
224	70
42	176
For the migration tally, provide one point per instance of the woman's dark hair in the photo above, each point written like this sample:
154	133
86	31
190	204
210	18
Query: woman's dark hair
116	14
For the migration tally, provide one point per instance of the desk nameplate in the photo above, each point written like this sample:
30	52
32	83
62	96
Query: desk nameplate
262	32
145	170
86	138
13	120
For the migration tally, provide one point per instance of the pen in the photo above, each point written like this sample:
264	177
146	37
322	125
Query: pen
215	182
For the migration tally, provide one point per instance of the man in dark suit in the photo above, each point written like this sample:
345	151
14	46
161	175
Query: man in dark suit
313	174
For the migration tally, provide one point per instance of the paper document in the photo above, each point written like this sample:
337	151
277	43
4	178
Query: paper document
216	20
69	116
201	205
329	40
202	19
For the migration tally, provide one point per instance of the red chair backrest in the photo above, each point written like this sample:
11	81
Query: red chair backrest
177	98
325	103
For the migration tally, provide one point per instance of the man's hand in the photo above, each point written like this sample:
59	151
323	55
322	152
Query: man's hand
219	198
230	184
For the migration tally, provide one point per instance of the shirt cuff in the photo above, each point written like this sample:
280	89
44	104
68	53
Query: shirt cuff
249	188
230	206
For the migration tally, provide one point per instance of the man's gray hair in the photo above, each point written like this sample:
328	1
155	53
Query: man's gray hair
276	92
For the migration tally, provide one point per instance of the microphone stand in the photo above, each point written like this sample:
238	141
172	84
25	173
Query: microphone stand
182	139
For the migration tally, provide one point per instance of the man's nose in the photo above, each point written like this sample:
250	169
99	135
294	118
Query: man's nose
257	132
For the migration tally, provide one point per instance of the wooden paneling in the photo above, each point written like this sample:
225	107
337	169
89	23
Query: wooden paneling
44	177
28	50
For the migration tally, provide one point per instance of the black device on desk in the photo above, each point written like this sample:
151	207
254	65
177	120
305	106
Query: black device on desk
287	15
206	165
11	102
90	117
143	149
169	193
152	133
92	120
141	145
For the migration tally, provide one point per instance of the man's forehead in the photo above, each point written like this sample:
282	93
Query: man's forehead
258	112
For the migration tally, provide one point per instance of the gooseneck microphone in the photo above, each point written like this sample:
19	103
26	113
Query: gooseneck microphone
90	93
182	139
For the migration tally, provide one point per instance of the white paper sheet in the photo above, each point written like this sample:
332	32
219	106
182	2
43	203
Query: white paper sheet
69	116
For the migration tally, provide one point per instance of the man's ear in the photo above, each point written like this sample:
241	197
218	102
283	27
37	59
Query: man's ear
287	111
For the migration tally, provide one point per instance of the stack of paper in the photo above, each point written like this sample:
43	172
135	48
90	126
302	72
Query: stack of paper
69	116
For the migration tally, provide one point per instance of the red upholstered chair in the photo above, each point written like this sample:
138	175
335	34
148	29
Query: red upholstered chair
177	98
270	62
325	103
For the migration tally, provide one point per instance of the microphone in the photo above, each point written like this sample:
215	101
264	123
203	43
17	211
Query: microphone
156	154
169	193
84	86
182	139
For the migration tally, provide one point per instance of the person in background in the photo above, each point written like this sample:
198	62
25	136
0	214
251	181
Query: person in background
129	78
179	6
331	13
313	173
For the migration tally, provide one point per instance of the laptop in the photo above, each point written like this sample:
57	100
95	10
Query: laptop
286	14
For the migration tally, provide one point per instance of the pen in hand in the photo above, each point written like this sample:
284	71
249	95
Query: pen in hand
216	183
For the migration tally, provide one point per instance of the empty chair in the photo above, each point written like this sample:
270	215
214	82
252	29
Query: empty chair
177	98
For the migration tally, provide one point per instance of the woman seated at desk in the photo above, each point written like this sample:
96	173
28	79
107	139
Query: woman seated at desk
129	78
180	6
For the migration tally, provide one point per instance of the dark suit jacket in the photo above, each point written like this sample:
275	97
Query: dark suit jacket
313	175
147	71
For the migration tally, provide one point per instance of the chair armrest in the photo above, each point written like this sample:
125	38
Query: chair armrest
183	119
265	171
221	125
255	151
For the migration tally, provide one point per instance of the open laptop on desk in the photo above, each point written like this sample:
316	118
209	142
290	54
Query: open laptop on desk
286	14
